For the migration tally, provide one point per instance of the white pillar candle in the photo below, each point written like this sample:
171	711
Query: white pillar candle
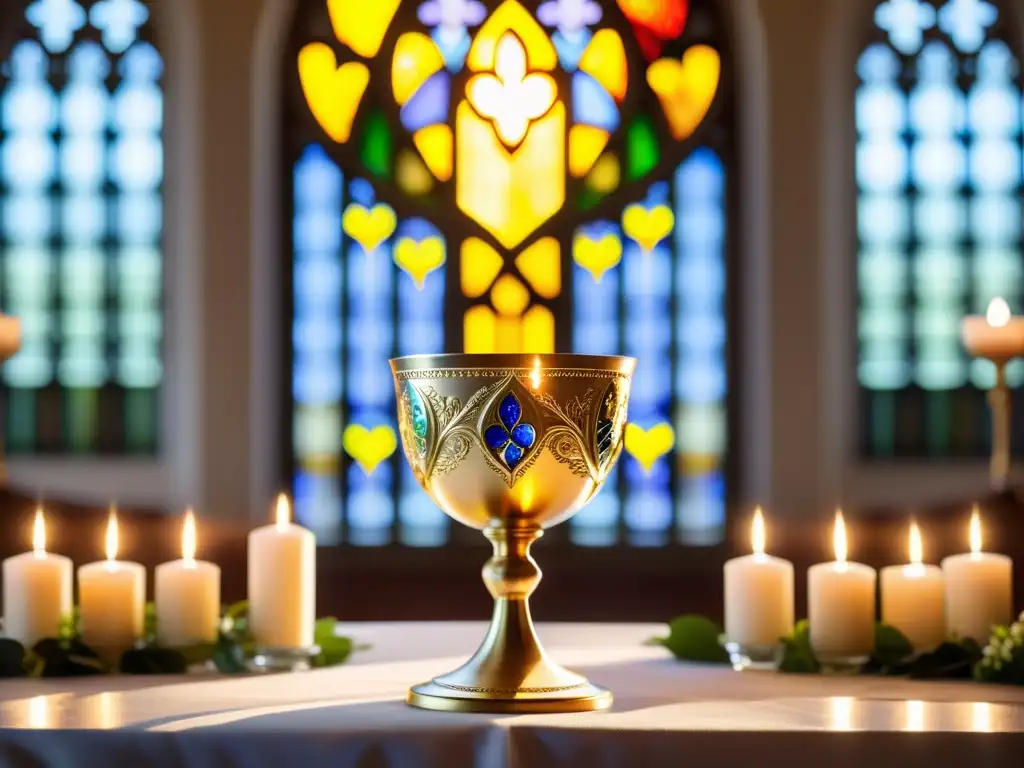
758	594
914	598
997	336
112	600
187	594
37	590
979	589
841	604
282	583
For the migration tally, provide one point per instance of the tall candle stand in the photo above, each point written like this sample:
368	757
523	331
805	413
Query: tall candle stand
999	338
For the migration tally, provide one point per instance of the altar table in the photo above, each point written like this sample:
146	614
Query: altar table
665	713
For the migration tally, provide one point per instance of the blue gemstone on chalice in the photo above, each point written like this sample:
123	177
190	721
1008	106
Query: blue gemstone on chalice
524	435
495	437
513	455
509	411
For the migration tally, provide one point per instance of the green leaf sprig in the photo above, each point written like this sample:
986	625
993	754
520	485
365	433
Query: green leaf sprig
698	639
694	638
1002	660
68	656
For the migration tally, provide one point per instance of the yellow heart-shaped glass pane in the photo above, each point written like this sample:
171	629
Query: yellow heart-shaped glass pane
647	227
369	227
333	93
369	447
647	446
419	259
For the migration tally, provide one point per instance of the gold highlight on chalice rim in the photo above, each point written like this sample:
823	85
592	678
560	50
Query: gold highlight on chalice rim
511	445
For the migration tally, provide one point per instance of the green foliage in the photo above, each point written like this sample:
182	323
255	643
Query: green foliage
153	660
950	661
334	649
12	658
1002	660
797	656
68	656
893	652
694	638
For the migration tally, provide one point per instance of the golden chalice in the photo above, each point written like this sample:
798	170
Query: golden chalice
511	445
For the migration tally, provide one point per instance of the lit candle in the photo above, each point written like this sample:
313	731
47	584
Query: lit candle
37	590
997	336
10	336
913	598
282	583
112	599
535	374
187	595
758	594
979	589
841	605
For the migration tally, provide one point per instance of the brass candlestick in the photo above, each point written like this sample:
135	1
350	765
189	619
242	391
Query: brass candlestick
997	337
511	445
999	403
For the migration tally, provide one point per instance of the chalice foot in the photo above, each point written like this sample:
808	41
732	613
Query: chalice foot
510	673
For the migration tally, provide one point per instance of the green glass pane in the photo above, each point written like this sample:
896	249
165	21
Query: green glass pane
377	149
589	198
883	424
939	422
140	417
81	416
21	420
641	148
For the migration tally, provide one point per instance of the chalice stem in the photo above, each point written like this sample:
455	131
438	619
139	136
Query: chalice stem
999	402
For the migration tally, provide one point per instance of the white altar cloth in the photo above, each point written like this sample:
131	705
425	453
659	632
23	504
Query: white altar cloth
665	713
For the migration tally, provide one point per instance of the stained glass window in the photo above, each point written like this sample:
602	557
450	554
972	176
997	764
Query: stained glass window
939	160
488	176
81	175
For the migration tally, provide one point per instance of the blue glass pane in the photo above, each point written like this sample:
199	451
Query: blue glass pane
429	105
966	22
57	21
905	21
119	21
592	104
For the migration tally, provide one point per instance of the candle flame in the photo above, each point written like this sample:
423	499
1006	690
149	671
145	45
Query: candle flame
757	532
39	532
283	513
975	530
112	535
188	537
535	373
998	314
839	537
916	546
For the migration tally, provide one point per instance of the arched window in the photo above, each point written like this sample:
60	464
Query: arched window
491	176
939	160
81	175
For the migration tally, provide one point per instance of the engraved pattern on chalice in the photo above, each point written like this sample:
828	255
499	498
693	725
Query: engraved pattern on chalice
511	445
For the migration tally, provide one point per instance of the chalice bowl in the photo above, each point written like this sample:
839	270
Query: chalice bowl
510	445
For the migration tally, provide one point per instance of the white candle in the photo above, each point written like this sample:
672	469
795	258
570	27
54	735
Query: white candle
112	599
37	590
979	589
997	336
841	604
914	598
282	583
187	593
758	594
